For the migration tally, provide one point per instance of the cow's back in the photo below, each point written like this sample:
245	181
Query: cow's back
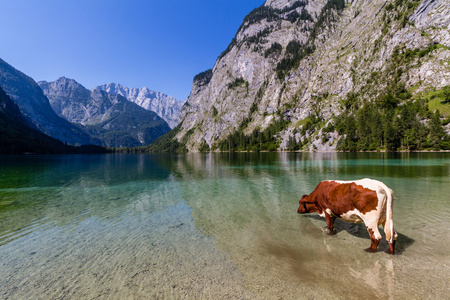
342	197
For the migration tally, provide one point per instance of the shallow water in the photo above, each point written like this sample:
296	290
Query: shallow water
215	226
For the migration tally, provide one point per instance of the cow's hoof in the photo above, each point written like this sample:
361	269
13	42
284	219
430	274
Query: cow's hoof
328	231
370	250
391	249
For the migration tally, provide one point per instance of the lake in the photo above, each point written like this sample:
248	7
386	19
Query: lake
216	226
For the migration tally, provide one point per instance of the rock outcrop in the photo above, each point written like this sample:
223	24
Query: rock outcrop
433	17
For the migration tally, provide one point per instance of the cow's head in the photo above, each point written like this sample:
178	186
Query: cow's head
302	209
307	205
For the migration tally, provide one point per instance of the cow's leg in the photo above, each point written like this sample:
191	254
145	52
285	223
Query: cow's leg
390	238
391	249
330	221
375	238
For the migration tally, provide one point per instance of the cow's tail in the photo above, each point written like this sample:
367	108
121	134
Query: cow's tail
391	235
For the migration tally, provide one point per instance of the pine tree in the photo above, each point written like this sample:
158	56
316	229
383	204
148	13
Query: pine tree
436	130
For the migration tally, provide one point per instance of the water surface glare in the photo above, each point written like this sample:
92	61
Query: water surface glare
215	226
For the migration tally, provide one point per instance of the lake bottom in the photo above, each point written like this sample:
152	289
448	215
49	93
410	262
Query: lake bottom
158	256
214	227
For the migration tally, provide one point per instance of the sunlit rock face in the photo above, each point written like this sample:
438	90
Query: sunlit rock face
77	104
252	85
433	17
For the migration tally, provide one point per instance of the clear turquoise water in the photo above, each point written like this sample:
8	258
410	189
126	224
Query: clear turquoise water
215	225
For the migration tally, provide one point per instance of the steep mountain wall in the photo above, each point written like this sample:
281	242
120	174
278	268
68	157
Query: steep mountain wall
292	62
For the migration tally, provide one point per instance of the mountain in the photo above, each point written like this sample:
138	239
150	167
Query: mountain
10	110
36	108
17	137
167	107
326	75
71	101
110	118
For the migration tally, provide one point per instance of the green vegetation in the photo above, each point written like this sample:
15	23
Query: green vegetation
309	126
446	95
166	143
203	78
18	138
295	52
402	60
274	49
204	147
295	16
215	113
258	14
292	144
396	120
258	140
393	122
258	38
238	82
438	100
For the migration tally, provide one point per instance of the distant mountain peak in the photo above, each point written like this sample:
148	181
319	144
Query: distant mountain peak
109	117
167	107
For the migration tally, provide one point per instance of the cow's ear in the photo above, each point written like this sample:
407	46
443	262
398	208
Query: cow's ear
304	196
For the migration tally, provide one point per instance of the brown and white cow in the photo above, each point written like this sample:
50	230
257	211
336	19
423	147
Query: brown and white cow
366	200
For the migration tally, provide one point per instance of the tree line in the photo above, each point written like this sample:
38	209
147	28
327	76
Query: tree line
395	121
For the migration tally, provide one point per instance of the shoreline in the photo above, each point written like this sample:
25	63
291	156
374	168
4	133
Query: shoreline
264	151
317	151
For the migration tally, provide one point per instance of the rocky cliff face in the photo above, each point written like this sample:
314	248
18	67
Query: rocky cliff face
291	61
167	107
72	101
110	118
432	16
35	107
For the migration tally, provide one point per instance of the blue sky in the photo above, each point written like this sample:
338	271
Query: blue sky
160	44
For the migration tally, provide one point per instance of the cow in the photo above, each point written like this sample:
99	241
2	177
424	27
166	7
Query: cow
366	200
